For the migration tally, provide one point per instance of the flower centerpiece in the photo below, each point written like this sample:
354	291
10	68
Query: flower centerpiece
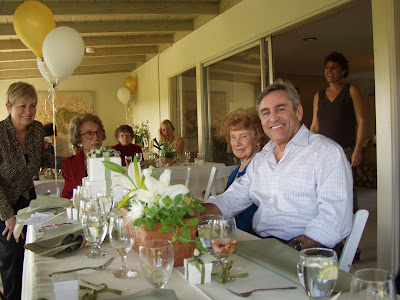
141	131
153	205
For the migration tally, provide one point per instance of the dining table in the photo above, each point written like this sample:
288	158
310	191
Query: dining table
37	284
46	185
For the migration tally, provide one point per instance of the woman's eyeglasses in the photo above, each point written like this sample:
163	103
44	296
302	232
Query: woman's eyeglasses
90	134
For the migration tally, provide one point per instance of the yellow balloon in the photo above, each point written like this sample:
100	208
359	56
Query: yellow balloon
32	22
131	83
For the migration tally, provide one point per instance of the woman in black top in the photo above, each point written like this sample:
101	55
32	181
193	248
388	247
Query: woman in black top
339	111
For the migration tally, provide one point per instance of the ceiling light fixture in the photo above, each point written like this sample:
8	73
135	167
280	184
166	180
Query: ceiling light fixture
90	50
309	39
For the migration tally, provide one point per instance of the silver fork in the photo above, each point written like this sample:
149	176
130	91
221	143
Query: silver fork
99	268
246	294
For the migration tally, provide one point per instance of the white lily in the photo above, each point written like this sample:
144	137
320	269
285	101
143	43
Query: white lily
136	211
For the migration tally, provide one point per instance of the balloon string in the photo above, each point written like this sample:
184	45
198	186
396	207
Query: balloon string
53	97
47	73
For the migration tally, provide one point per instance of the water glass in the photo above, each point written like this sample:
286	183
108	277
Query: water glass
372	284
157	261
94	226
204	230
122	241
200	158
138	157
106	202
317	269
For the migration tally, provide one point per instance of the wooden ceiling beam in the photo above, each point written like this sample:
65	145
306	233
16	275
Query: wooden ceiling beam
121	26
121	8
81	70
132	50
87	61
121	40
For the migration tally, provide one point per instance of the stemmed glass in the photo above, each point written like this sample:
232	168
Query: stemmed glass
223	236
157	261
121	241
372	284
178	158
161	155
94	227
317	269
187	154
128	160
106	202
138	157
204	230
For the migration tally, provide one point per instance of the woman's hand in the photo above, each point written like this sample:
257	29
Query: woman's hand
10	225
356	158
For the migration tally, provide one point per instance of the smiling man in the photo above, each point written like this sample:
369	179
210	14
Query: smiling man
300	181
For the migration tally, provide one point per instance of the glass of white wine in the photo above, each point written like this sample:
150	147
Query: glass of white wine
122	241
94	226
157	261
223	236
317	269
187	154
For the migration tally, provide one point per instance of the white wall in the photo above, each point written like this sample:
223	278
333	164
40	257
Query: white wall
107	106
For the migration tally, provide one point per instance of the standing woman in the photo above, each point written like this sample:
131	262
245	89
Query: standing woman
167	130
86	132
21	156
339	111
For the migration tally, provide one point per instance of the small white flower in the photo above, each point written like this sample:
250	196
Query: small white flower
136	211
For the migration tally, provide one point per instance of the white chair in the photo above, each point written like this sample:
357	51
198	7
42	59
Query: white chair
178	174
215	175
352	241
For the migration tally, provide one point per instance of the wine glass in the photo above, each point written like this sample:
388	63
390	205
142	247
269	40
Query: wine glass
157	261
121	241
138	157
372	284
223	236
94	227
317	269
178	157
187	154
106	202
204	230
128	160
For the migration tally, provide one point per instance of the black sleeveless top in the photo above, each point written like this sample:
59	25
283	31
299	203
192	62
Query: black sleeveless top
337	119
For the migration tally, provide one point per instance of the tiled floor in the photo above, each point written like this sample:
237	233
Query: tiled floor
366	200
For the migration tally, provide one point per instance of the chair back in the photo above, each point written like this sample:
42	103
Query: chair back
352	241
178	174
216	174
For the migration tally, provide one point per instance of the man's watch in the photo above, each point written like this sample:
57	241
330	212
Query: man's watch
297	244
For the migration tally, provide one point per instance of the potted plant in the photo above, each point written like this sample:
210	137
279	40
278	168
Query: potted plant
155	207
167	150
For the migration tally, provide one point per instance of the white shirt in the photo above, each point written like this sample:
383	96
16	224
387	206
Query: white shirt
309	191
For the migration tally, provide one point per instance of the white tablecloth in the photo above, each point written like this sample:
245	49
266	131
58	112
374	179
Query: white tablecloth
199	176
38	284
43	185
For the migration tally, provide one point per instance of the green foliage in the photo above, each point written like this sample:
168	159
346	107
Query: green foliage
164	146
172	216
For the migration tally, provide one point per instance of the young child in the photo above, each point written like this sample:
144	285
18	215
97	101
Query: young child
124	135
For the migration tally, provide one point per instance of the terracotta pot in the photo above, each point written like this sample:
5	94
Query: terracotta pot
170	161
181	250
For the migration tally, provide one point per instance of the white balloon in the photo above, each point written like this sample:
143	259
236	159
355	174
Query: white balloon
46	73
63	50
123	95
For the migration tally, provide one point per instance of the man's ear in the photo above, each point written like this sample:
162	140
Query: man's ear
299	112
8	107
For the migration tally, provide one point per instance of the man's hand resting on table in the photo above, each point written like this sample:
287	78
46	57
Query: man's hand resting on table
303	242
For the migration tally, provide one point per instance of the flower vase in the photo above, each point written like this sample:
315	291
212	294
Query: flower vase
170	161
181	250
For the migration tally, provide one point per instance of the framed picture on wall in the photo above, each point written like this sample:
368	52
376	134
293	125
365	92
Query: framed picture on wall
67	105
